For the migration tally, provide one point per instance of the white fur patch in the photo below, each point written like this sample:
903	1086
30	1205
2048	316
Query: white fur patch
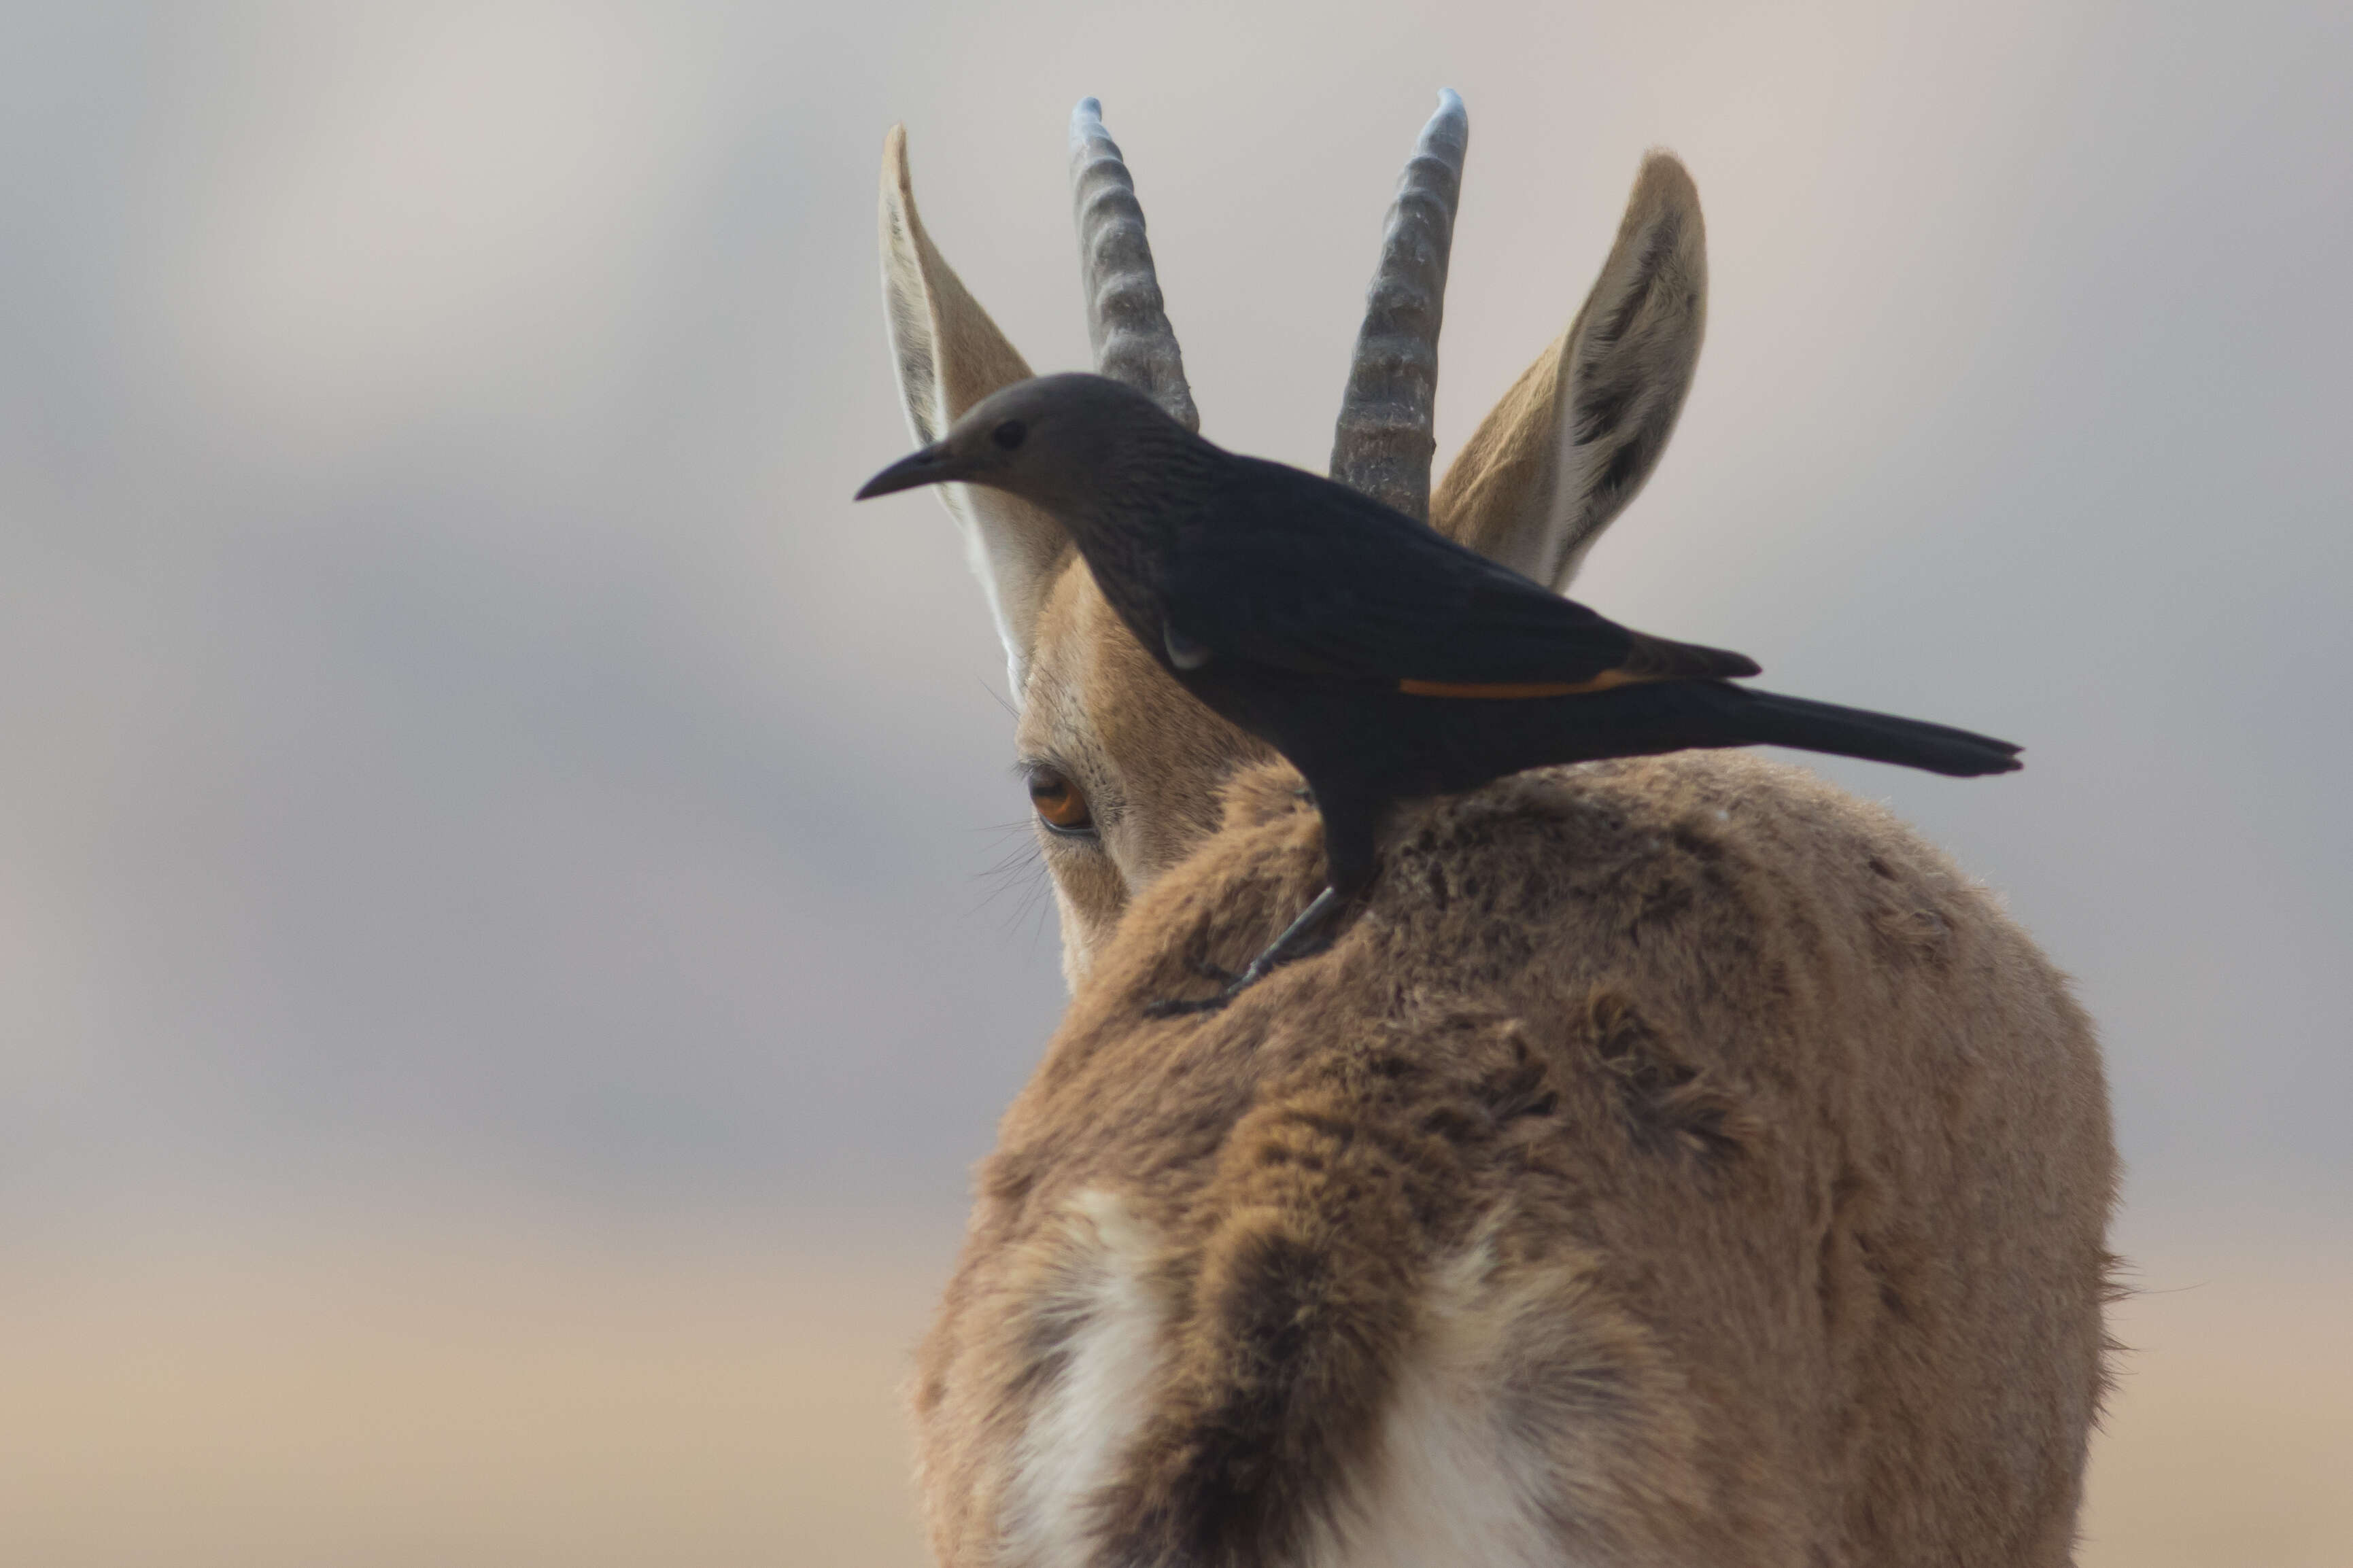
1084	1422
1446	1493
1450	1486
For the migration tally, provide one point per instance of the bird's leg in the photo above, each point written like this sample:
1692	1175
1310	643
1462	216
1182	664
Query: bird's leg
1349	853
1306	935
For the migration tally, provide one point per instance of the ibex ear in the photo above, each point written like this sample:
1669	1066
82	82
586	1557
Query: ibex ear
1573	441
949	356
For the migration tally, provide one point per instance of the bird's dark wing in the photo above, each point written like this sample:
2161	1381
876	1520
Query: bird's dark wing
1285	569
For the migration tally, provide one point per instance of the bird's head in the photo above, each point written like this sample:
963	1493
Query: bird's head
1058	441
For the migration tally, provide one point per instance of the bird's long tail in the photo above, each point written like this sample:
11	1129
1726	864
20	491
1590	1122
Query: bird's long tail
1768	718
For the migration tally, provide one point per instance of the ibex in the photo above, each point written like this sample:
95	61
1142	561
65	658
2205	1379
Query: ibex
1675	1161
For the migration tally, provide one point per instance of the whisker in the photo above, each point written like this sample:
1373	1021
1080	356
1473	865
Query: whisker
997	696
1021	872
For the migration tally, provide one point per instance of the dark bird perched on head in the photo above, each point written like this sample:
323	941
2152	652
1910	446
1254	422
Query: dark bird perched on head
1382	659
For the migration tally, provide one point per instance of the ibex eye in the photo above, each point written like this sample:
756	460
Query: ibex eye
1062	804
1010	434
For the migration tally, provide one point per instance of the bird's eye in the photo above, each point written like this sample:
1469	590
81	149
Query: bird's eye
1062	804
1010	434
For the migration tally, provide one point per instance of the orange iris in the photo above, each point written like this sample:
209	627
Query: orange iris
1059	803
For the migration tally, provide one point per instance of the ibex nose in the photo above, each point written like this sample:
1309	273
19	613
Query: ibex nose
930	466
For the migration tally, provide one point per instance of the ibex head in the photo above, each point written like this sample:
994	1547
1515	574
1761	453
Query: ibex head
1124	769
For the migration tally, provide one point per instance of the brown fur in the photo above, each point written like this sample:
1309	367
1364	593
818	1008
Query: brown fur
1682	1138
1787	1153
1148	756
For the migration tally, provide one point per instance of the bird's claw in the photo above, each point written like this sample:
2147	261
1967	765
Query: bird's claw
1176	1008
1230	986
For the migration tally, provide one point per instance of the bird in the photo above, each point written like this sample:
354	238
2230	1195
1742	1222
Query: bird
1383	660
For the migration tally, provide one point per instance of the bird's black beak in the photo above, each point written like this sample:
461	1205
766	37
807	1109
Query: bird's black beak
933	465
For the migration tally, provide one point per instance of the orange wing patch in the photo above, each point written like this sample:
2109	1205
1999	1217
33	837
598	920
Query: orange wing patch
1509	689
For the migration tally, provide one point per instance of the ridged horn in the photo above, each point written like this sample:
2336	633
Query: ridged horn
1383	443
1127	320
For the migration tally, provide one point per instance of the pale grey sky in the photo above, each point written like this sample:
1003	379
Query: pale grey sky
462	746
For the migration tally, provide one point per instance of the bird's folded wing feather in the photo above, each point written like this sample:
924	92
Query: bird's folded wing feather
1288	570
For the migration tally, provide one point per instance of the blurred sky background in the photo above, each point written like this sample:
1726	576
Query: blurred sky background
493	843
